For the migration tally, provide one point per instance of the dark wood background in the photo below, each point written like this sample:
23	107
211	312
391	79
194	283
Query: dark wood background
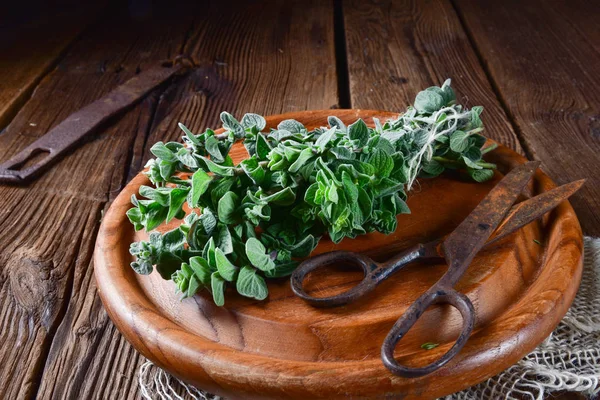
533	65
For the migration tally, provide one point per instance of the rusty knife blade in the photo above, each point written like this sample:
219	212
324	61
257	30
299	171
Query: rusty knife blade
531	209
470	236
82	123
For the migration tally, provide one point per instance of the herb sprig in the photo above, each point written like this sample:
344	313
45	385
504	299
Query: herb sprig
255	220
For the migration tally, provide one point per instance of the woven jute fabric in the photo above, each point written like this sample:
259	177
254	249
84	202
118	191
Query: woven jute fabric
569	359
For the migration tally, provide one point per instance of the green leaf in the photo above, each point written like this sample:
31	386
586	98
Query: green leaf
428	101
173	240
429	346
382	162
433	168
185	156
401	206
478	140
263	148
252	285
222	187
192	138
161	197
232	124
311	193
332	194
475	119
302	159
208	253
481	175
473	153
208	221
226	208
155	216
135	217
459	141
282	270
212	147
167	264
218	169
226	269
358	131
142	267
388	186
284	197
161	151
448	93
342	153
335	122
177	197
249	120
217	285
253	170
200	182
365	203
304	247
325	138
256	253
193	286
201	269
291	126
350	188
470	163
224	239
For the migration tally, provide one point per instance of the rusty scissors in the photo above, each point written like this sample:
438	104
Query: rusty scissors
494	218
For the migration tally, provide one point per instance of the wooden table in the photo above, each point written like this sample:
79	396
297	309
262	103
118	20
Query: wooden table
534	66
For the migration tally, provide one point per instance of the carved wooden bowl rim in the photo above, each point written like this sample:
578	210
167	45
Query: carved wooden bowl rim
227	371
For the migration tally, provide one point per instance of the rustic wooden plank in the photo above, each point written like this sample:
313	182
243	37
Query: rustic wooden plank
546	67
49	227
30	50
397	48
287	64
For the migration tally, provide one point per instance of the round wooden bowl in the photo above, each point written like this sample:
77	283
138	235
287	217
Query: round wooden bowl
284	348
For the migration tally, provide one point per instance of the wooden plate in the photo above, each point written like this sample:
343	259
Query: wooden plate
283	348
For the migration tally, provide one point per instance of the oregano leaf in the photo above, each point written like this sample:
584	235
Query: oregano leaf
226	269
200	182
217	285
255	251
459	141
481	175
226	208
249	120
358	131
252	285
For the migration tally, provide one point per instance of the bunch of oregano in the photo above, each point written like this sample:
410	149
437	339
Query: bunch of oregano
254	220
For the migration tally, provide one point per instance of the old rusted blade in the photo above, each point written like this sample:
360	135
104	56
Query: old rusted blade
529	210
83	123
470	236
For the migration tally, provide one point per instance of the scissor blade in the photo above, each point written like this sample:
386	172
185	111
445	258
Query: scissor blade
529	210
470	236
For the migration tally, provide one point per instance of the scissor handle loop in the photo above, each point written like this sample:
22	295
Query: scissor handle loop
410	317
326	259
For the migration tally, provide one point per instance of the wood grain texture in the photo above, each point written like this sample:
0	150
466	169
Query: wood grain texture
86	356
285	63
32	45
285	348
397	48
546	68
49	226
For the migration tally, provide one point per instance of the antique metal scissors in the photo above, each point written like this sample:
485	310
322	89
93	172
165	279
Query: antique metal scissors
492	219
